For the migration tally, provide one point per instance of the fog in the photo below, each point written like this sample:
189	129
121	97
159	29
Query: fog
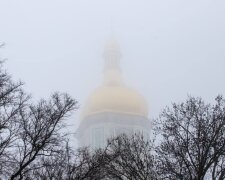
170	48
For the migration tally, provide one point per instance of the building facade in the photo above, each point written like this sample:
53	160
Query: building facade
113	108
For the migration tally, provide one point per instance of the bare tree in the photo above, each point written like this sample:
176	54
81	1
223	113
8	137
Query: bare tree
124	157
28	131
69	165
12	100
193	140
40	132
57	167
129	157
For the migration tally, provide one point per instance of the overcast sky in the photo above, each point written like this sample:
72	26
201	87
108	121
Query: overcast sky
171	48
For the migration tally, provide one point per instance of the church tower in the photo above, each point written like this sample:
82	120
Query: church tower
113	108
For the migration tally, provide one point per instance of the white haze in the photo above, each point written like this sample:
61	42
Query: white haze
171	48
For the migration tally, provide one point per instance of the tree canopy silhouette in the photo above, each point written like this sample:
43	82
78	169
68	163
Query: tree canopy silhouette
29	131
192	140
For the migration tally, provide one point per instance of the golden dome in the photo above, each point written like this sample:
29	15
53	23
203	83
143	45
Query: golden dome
113	95
118	99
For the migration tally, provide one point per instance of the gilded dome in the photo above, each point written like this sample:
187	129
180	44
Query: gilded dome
113	95
118	99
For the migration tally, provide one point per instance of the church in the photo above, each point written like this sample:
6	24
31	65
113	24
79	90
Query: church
113	108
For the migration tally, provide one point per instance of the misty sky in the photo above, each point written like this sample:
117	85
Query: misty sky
171	48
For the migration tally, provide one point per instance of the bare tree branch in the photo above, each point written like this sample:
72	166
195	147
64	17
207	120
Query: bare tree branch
193	140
